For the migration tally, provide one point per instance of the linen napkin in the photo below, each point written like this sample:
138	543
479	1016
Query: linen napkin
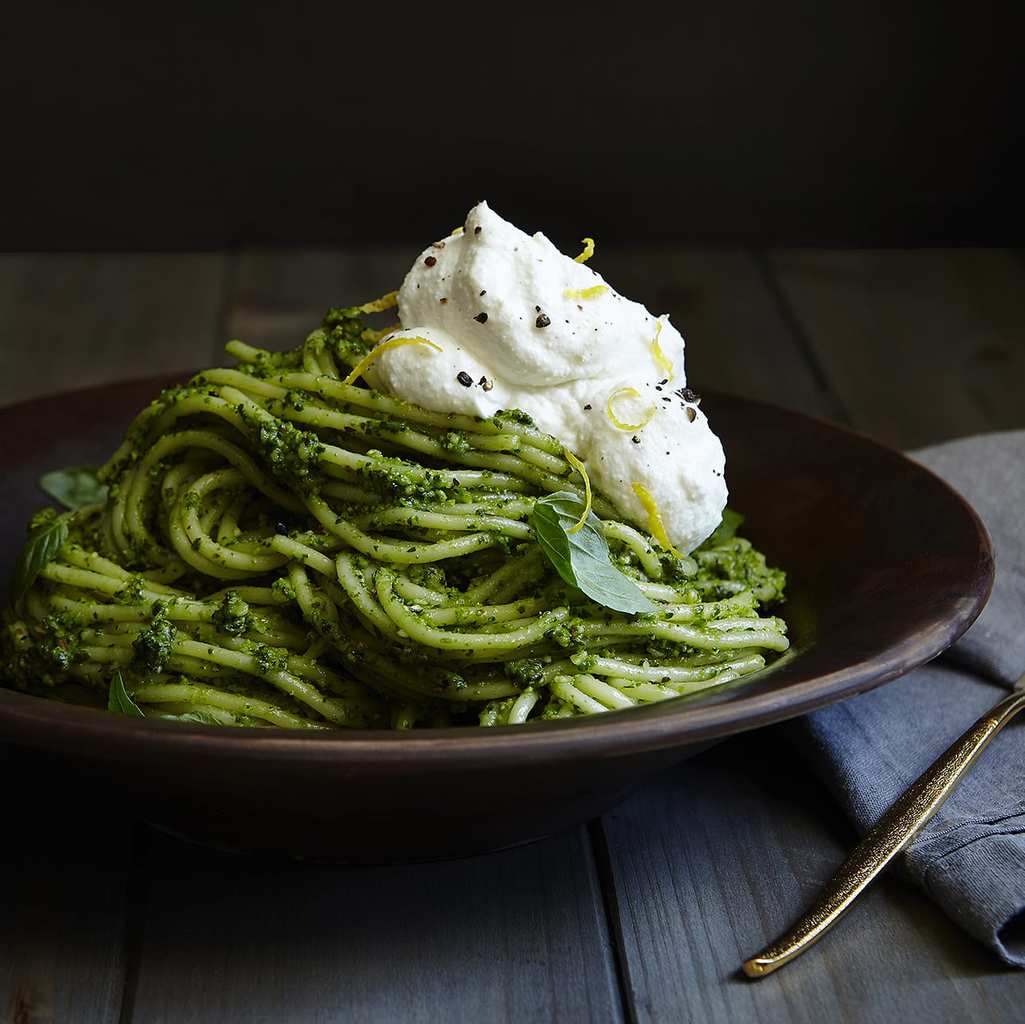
971	857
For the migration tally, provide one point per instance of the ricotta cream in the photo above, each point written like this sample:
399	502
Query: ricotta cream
533	329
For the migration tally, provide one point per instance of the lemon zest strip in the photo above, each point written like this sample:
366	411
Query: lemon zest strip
375	336
585	293
616	421
658	355
588	251
579	467
655	525
389	301
358	369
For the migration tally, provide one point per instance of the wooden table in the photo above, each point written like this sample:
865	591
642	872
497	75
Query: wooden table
641	916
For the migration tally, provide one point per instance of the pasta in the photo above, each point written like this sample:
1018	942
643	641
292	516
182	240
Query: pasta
279	547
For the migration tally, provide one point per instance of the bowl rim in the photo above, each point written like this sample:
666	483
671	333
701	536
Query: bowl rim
40	723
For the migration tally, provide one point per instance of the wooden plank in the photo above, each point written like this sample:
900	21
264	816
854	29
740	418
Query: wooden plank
280	295
920	346
517	936
71	321
66	861
719	855
738	338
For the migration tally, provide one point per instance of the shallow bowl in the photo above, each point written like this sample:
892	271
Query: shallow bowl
887	566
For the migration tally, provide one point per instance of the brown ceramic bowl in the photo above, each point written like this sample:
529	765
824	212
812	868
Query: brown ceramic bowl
887	567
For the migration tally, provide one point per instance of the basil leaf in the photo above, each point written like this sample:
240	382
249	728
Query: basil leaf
41	548
74	487
203	718
194	716
582	558
119	700
726	530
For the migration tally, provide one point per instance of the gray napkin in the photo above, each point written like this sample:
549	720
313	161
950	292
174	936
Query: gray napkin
971	857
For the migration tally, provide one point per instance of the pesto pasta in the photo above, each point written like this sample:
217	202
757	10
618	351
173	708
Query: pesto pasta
280	545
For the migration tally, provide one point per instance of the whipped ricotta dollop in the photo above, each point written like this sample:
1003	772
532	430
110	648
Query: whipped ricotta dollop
535	330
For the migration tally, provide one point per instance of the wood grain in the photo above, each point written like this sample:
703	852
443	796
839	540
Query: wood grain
919	346
66	861
717	856
517	936
71	321
280	295
737	334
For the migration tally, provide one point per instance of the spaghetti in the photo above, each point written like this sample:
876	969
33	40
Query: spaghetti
282	548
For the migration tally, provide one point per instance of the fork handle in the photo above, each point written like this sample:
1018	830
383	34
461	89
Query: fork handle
887	838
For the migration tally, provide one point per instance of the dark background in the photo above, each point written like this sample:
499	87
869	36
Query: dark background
738	122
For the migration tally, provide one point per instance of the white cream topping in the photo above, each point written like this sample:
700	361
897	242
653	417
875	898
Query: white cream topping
537	331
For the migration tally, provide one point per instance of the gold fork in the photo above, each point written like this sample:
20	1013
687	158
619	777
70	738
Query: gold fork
901	823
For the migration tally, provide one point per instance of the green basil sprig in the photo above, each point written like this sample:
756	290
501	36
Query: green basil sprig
201	717
119	700
582	558
74	487
41	548
726	530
